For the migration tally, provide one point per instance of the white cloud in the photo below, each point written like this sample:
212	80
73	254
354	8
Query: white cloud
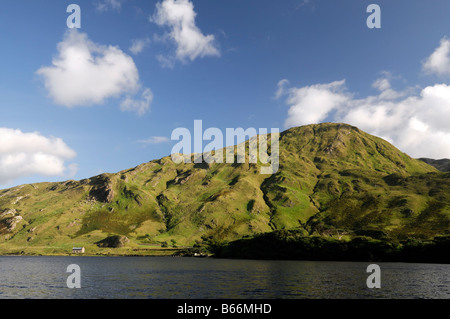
416	124
439	61
85	73
179	16
281	88
138	45
107	5
414	120
154	140
140	106
26	154
312	104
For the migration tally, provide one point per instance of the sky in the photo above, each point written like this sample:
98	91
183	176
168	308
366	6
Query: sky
105	97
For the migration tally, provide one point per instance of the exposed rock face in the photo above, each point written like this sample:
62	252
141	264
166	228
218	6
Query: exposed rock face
8	212
11	223
113	242
9	219
102	189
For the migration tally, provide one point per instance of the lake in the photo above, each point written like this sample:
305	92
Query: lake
209	278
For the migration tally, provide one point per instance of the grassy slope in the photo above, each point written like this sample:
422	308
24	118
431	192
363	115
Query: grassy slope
334	180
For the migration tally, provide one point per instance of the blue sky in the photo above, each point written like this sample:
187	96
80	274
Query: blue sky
233	63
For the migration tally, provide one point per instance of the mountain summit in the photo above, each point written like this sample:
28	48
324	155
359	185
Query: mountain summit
334	180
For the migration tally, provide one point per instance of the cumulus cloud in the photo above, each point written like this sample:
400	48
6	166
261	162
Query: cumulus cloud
85	73
439	61
416	120
26	154
415	123
312	104
179	17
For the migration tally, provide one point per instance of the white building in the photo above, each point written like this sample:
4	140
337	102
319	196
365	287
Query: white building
78	250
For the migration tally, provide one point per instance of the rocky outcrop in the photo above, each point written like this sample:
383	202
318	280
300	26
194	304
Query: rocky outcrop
8	212
11	223
115	241
9	219
102	189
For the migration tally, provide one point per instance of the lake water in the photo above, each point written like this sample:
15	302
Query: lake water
208	278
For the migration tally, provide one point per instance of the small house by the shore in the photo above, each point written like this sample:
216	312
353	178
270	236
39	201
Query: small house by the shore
78	250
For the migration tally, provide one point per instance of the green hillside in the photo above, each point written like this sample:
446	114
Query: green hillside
334	181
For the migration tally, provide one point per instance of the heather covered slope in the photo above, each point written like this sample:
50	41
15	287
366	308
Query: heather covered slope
334	181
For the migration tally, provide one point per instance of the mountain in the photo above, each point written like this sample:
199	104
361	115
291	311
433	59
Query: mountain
334	181
441	164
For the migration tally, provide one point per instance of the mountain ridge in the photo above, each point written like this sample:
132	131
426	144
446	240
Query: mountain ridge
334	180
441	164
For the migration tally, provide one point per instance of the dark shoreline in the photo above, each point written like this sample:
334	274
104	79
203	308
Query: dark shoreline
292	245
411	261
